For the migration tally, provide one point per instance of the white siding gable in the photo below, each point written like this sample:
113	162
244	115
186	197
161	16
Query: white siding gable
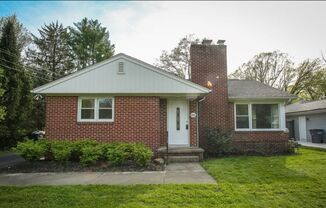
138	77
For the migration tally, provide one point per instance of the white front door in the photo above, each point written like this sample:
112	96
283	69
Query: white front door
302	129
178	122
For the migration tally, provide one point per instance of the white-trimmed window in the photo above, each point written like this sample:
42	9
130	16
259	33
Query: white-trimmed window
100	109
242	116
257	116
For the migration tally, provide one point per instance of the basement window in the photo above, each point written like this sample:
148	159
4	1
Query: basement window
99	109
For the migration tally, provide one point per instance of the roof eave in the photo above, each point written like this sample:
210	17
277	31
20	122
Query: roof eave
259	98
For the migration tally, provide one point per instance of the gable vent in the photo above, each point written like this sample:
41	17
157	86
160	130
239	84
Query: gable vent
121	69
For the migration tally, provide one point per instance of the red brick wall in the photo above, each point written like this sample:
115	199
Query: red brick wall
193	123
137	119
163	122
208	63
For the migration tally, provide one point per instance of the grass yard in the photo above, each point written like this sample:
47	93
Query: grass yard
278	181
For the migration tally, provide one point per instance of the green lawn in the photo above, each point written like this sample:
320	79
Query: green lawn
278	181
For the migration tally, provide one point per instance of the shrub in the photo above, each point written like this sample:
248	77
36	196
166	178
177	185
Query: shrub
30	150
79	145
141	154
90	154
119	153
218	142
61	151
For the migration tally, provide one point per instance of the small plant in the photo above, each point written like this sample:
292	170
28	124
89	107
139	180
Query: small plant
31	150
293	145
218	143
61	151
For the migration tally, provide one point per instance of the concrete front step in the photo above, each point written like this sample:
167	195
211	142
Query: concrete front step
182	159
186	154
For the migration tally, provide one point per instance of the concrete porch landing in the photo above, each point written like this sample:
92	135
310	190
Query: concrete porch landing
176	173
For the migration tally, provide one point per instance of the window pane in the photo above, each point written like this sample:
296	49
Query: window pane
178	118
105	103
105	114
242	109
265	116
87	113
88	103
242	122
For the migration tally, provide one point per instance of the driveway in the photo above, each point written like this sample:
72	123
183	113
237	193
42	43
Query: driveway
10	159
175	173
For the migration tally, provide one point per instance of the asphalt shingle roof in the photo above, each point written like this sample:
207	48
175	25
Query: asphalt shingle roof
250	89
308	106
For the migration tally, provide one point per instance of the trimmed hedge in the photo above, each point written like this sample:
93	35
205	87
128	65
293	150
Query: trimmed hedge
86	151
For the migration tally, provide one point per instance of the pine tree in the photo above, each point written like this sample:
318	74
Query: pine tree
51	57
90	43
16	85
22	34
50	54
2	108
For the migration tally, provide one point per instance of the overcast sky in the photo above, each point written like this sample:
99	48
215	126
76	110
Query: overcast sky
144	29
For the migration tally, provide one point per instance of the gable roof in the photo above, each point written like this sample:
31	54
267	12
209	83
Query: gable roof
308	106
251	89
139	77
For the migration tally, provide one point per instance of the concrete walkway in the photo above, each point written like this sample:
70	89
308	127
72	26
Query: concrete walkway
310	144
175	173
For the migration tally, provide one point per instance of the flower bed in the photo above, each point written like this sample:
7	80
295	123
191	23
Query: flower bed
83	155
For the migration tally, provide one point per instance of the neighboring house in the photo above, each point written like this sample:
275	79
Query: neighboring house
301	117
128	100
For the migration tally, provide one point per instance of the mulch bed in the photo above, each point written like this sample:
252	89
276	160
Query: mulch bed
101	166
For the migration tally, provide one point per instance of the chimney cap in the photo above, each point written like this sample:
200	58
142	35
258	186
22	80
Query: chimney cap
220	42
206	42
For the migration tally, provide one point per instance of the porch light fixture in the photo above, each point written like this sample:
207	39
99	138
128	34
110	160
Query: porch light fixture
209	84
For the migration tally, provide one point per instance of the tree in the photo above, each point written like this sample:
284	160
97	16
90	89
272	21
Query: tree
275	69
177	60
272	68
50	54
310	80
323	57
16	85
2	108
22	34
90	43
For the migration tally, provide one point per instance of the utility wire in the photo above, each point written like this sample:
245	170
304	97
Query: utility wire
33	75
13	55
31	70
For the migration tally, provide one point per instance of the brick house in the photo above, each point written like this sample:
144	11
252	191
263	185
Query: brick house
125	99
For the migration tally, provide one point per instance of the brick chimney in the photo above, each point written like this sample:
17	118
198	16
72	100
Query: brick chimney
209	69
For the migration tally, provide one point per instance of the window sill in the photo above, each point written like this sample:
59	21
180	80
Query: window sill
95	122
259	130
